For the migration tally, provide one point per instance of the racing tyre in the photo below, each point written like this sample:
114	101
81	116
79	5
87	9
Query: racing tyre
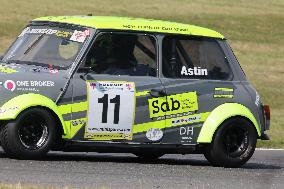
149	156
233	144
30	136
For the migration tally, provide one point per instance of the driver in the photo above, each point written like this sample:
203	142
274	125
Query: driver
121	60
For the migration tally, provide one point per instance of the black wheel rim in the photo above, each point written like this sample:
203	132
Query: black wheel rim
236	140
33	132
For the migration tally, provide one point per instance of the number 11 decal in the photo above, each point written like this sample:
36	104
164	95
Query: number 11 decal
104	101
116	101
111	110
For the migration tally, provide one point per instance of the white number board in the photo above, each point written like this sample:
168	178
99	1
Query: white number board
111	110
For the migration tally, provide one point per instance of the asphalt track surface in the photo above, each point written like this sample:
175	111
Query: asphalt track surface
93	170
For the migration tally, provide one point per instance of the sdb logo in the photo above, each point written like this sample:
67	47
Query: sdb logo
173	104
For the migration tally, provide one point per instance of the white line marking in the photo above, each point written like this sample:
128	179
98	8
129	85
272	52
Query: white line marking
270	149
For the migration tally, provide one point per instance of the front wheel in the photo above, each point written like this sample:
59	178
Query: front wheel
233	143
30	136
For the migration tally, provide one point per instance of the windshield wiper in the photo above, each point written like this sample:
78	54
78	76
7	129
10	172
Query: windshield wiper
34	43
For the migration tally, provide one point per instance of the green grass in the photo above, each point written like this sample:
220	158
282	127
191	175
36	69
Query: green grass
255	29
21	186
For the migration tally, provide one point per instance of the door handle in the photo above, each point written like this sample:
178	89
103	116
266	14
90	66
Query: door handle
157	93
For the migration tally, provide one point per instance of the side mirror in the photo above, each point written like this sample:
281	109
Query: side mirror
84	71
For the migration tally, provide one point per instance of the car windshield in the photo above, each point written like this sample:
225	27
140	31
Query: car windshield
47	45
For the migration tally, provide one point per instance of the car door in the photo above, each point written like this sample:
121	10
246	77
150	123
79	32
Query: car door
197	77
112	88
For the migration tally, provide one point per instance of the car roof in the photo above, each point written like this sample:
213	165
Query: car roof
135	24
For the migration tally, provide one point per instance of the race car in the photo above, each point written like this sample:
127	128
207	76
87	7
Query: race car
127	85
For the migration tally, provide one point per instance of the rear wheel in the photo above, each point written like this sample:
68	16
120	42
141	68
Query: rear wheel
30	136
233	143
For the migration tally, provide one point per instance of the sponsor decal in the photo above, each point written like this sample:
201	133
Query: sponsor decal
142	93
109	130
107	102
151	28
143	127
48	31
24	31
5	110
189	133
193	71
257	99
186	134
49	69
107	136
7	70
80	36
37	70
130	86
26	85
173	104
87	32
52	70
154	134
223	93
10	85
78	122
105	86
64	34
174	116
28	30
191	119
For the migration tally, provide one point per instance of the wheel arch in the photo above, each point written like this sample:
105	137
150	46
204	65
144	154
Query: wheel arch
221	114
21	103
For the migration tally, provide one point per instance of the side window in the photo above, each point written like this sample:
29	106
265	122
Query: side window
123	54
194	58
